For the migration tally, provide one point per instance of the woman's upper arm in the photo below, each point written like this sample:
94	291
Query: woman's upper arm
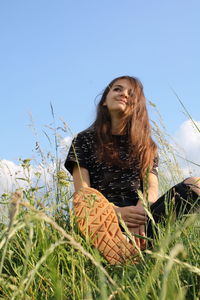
153	180
81	177
153	187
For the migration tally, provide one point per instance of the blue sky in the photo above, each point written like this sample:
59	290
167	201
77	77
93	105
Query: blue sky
65	52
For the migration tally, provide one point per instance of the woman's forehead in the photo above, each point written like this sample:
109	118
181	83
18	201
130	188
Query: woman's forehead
124	83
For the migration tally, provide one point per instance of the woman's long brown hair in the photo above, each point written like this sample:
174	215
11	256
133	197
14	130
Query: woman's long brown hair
135	123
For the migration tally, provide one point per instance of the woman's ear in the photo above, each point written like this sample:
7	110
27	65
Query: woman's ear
104	104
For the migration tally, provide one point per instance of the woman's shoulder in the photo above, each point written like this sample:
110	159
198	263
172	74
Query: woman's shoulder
87	134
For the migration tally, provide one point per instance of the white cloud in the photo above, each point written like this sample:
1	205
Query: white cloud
64	145
187	144
13	176
66	142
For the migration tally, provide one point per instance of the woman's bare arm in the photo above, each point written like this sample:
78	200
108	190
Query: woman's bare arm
81	178
152	194
135	216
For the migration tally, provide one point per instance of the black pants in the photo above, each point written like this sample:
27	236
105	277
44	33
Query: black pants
185	201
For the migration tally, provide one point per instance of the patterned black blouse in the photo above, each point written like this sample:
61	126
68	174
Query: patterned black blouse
118	184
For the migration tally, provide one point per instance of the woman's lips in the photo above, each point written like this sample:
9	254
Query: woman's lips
122	100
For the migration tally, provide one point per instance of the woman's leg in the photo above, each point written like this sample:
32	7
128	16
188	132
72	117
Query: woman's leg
186	196
98	222
194	184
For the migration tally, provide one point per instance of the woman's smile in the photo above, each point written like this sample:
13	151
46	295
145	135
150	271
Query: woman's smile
118	96
122	100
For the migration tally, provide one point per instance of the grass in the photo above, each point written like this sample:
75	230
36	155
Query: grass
46	258
43	255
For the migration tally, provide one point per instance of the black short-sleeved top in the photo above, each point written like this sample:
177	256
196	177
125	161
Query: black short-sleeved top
117	183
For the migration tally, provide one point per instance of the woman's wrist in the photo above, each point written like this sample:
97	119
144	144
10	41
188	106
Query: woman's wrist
117	209
139	203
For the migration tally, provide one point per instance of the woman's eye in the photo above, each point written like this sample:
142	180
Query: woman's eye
117	89
131	94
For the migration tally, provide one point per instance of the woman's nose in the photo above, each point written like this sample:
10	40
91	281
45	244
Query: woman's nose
125	93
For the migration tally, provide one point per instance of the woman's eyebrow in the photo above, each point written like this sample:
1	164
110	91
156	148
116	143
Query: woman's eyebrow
130	91
118	85
122	87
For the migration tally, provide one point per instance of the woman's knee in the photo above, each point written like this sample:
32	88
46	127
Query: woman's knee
192	180
193	183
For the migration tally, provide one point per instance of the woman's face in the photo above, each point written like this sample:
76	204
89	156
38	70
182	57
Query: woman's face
119	96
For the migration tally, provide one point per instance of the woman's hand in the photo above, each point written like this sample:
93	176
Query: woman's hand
133	216
135	219
140	230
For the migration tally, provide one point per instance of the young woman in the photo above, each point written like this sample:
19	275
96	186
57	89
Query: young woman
110	162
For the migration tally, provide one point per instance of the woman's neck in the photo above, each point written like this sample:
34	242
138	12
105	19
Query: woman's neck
116	125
